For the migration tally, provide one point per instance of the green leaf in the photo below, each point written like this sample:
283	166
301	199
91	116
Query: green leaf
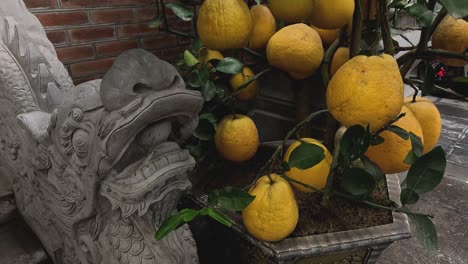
460	80
190	59
156	22
210	117
306	156
216	215
206	128
230	198
221	89
427	172
399	131
421	13
175	221
429	78
398	4
355	142
258	2
377	140
230	65
408	196
196	46
374	170
416	149
358	182
181	11
209	90
196	151
456	8
285	166
199	77
427	233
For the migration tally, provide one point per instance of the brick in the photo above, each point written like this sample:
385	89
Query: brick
170	53
40	3
133	2
57	37
91	67
62	18
78	81
160	42
85	3
181	25
146	13
136	30
115	47
183	41
89	34
112	15
67	54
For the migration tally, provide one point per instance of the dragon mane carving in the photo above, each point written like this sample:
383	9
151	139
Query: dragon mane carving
96	167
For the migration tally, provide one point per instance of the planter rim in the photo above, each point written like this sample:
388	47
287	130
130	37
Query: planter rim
292	248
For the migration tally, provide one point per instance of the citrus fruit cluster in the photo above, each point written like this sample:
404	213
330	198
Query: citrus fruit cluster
297	49
364	90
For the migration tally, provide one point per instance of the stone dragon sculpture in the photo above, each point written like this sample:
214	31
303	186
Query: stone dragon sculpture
95	168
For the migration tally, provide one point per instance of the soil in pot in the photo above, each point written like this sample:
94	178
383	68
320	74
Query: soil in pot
340	215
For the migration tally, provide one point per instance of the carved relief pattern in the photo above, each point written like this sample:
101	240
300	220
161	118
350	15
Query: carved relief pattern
94	180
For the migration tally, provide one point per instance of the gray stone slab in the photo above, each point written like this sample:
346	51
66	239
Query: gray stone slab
457	171
453	127
455	103
451	228
454	111
409	252
459	155
451	194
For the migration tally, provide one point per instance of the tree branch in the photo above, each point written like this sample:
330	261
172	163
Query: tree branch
389	48
445	54
268	165
440	88
364	202
256	54
355	48
244	85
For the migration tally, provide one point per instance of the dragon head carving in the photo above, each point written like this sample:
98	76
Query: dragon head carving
99	166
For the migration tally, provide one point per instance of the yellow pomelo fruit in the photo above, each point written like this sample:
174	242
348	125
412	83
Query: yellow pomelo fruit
340	57
205	55
332	14
292	10
366	91
224	24
264	26
274	213
296	49
236	138
328	36
373	5
428	115
390	155
315	176
249	92
451	35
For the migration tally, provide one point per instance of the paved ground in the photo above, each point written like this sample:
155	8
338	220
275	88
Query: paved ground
449	202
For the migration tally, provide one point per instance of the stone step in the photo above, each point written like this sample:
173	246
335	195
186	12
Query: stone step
18	244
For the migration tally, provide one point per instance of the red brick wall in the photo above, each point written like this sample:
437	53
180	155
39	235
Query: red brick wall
89	34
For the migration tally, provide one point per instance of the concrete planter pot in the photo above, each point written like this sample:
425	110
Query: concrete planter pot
218	244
